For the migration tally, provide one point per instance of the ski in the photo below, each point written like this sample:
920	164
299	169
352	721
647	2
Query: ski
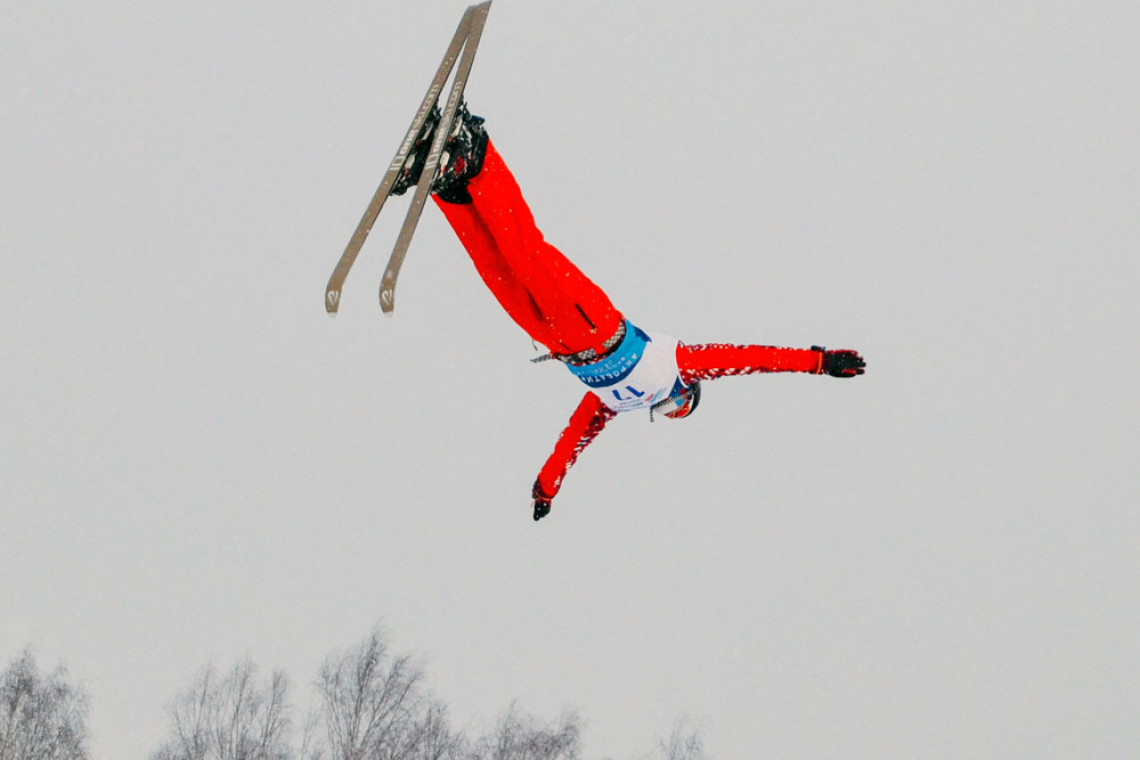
431	167
356	242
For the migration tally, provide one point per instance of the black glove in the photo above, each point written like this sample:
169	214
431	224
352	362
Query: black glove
541	502
840	363
541	508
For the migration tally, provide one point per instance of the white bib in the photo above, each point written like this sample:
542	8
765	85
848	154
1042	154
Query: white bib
654	377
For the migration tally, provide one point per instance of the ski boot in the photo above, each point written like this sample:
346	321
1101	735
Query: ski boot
414	164
461	160
462	157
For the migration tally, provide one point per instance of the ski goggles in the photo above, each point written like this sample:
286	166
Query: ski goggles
680	404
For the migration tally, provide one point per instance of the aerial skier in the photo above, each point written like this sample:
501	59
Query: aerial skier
624	367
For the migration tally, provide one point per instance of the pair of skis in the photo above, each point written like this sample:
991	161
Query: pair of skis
463	46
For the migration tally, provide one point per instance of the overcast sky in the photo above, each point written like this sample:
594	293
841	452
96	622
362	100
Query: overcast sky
937	560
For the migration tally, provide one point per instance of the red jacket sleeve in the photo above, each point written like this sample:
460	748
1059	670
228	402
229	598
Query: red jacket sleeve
585	424
707	361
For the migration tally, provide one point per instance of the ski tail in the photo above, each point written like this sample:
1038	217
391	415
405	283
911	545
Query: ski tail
356	242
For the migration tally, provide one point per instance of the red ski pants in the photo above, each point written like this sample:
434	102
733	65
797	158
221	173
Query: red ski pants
539	288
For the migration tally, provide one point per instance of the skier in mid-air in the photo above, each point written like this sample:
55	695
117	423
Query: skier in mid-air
625	368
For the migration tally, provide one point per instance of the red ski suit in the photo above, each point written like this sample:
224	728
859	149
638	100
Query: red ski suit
562	309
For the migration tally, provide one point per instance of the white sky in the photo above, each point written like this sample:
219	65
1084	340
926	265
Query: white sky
937	560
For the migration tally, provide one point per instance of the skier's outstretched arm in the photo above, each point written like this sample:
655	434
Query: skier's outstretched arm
707	361
585	424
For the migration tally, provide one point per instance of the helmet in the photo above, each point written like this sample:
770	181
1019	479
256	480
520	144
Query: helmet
681	403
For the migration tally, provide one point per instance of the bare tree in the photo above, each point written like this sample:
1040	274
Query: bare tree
429	737
370	705
685	742
518	736
374	707
230	718
41	717
434	738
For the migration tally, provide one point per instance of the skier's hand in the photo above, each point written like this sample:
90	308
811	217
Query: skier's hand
841	362
541	508
540	501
